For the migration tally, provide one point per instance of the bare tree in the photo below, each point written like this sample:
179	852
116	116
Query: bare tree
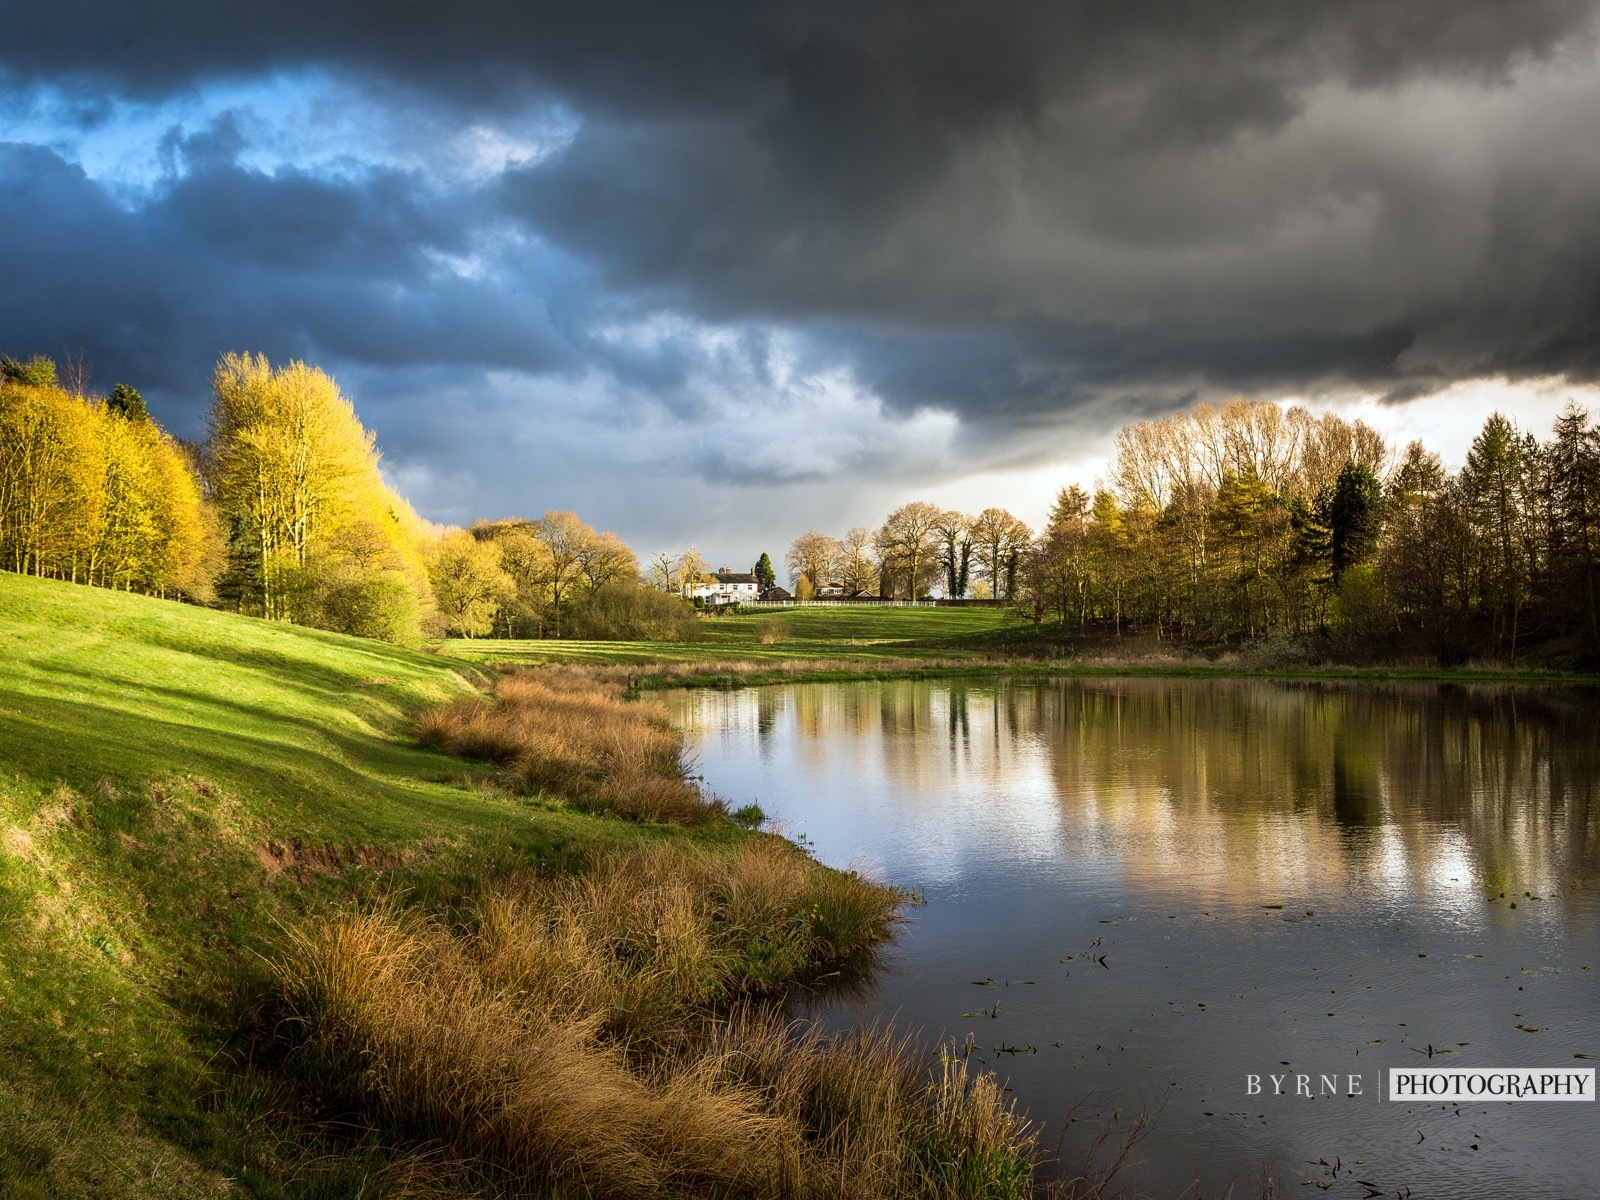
75	373
660	569
999	540
565	538
955	550
857	568
908	547
692	571
814	556
607	559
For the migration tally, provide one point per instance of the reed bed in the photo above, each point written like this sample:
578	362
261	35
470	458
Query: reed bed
605	1035
576	737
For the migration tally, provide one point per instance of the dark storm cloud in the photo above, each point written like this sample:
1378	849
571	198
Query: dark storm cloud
1019	207
914	65
1006	210
226	257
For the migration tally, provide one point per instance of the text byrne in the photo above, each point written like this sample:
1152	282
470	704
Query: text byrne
1303	1085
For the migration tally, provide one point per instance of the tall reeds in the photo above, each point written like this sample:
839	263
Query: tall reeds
577	738
604	1034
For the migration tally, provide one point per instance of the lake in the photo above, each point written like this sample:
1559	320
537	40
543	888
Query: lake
1141	892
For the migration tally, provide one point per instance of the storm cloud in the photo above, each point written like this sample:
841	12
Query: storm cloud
754	246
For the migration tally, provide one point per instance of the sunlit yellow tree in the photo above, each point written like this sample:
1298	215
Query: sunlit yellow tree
296	478
52	491
469	582
95	492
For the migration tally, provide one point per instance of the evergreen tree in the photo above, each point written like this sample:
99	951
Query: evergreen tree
126	401
1573	481
1355	517
766	577
1494	486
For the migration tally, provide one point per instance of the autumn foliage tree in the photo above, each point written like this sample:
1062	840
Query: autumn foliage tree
907	545
469	582
95	492
309	517
557	564
1250	522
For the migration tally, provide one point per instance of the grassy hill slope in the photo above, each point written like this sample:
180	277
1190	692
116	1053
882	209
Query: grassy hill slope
176	785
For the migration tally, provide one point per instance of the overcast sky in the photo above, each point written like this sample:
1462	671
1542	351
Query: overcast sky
719	272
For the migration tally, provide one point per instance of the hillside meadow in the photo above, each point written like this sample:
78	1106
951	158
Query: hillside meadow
258	937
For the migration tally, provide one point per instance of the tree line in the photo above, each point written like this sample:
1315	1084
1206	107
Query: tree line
1251	522
1240	524
94	491
920	548
1254	524
280	512
554	576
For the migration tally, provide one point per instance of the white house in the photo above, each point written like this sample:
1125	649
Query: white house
730	587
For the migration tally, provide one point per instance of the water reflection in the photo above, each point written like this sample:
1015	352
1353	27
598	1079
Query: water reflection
1171	819
1213	785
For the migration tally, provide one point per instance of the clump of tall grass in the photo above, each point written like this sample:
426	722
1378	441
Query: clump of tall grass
603	1033
576	737
671	925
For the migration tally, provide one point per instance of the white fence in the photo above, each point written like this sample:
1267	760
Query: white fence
831	603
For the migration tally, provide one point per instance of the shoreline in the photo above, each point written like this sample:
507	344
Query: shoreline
658	674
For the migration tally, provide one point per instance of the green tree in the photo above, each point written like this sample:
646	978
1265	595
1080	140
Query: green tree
1494	482
1355	518
38	371
1573	481
766	577
1241	588
1109	544
370	605
127	402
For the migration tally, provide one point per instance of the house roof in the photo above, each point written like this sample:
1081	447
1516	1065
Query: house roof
735	577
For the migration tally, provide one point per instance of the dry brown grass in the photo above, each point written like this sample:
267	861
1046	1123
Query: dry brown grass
577	737
588	1032
674	925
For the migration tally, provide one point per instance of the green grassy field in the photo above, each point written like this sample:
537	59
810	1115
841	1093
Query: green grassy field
827	643
868	634
177	786
180	787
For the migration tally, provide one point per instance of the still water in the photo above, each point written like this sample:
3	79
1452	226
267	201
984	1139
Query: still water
1139	893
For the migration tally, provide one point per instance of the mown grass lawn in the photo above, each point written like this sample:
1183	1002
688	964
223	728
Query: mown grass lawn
868	634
